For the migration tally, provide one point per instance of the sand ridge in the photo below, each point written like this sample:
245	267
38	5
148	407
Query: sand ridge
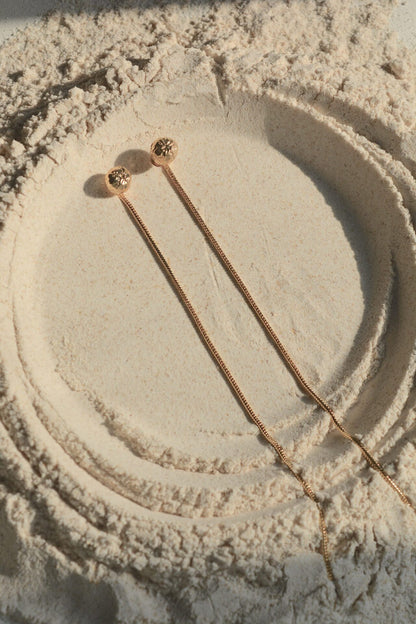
123	448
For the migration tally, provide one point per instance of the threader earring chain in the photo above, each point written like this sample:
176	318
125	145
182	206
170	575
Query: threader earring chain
118	180
163	151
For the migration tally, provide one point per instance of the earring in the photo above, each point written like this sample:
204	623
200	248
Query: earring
117	180
163	151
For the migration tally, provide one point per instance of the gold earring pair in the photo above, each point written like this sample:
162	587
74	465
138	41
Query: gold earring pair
162	152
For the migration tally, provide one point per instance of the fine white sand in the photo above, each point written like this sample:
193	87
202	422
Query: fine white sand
134	487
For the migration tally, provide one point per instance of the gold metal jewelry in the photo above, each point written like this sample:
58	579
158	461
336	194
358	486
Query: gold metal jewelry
118	180
163	151
165	164
166	158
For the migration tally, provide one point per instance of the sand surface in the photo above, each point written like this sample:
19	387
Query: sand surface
133	486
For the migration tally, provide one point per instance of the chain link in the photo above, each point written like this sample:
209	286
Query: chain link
274	337
231	380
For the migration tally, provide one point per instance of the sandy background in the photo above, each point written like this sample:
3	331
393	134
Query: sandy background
17	14
133	487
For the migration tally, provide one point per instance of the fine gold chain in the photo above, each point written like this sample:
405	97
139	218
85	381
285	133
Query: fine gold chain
163	152
272	334
118	180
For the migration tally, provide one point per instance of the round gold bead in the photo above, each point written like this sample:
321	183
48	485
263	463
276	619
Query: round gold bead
118	179
163	151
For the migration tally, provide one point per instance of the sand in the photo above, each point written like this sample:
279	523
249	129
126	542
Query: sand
133	486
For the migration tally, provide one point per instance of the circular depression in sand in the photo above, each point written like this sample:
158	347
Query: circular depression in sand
115	388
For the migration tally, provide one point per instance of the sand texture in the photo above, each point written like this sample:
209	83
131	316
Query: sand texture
133	487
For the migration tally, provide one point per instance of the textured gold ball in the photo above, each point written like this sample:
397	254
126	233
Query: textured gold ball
118	180
163	151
